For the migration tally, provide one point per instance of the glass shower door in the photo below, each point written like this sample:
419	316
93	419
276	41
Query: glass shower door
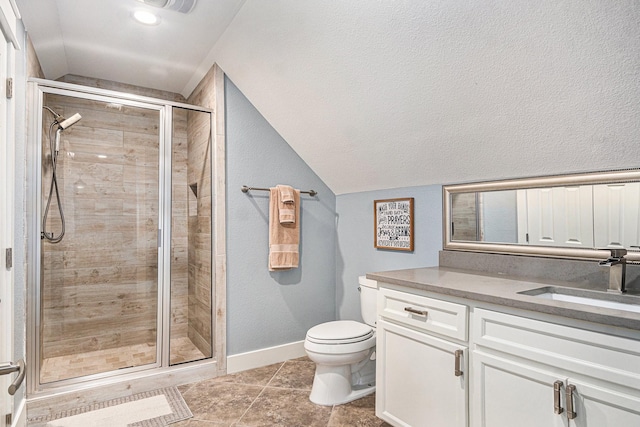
191	336
99	283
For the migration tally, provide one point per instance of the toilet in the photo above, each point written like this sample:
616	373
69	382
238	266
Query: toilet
344	353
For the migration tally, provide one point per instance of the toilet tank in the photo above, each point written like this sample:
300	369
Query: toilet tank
368	300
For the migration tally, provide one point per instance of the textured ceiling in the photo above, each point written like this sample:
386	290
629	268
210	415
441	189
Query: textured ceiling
387	94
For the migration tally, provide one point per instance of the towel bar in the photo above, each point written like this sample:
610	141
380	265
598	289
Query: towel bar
246	189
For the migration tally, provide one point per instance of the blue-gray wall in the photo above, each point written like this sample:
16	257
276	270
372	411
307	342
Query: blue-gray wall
265	308
356	255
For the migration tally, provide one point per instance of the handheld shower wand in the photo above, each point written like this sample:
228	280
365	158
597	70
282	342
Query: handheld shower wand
63	125
54	147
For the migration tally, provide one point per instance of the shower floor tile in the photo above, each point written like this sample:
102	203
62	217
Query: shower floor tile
93	362
183	350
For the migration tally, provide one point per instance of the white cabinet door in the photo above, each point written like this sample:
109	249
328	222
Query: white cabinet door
507	394
560	216
603	407
616	215
416	380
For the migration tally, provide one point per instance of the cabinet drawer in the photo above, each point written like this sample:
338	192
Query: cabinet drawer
441	317
589	353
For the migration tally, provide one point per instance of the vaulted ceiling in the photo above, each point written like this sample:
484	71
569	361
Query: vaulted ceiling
385	94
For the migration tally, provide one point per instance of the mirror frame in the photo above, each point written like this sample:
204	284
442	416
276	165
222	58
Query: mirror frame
608	177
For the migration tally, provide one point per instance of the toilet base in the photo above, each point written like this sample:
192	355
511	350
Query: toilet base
332	386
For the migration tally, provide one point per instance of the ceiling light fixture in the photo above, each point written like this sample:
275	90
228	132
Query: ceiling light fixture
146	17
182	6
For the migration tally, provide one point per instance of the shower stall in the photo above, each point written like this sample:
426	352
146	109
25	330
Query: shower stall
121	237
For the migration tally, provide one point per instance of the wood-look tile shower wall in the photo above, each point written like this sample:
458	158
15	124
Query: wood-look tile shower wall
180	232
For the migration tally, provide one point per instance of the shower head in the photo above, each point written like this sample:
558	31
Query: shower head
70	121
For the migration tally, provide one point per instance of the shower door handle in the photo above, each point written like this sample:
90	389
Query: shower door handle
9	368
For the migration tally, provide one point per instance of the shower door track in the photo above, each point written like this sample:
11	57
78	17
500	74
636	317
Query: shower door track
36	90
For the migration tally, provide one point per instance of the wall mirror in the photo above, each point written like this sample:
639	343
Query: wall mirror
564	216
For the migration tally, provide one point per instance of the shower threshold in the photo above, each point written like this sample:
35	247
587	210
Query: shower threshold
98	361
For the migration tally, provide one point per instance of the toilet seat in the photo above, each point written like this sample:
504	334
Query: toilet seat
339	332
340	337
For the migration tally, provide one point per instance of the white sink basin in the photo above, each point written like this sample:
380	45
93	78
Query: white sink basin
592	298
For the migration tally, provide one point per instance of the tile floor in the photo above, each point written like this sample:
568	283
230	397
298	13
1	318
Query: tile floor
274	395
93	362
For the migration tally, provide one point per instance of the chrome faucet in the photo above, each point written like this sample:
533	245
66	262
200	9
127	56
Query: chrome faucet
617	264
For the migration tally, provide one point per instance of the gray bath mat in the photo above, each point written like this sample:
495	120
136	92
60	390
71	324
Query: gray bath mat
155	408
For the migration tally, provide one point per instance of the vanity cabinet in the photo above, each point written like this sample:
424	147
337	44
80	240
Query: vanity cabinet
421	370
532	373
454	362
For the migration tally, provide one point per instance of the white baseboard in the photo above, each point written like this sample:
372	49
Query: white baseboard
264	357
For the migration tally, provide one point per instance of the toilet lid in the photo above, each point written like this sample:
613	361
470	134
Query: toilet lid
339	332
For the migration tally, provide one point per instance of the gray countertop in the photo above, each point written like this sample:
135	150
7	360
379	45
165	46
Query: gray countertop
504	290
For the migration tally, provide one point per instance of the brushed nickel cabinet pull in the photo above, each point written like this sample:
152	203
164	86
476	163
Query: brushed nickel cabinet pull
570	413
557	407
416	311
458	355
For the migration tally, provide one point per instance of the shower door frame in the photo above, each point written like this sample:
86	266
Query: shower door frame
37	88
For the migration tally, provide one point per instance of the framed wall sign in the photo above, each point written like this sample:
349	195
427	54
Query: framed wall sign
393	224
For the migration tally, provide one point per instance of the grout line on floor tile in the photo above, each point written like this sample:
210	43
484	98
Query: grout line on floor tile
274	375
259	394
288	388
249	407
